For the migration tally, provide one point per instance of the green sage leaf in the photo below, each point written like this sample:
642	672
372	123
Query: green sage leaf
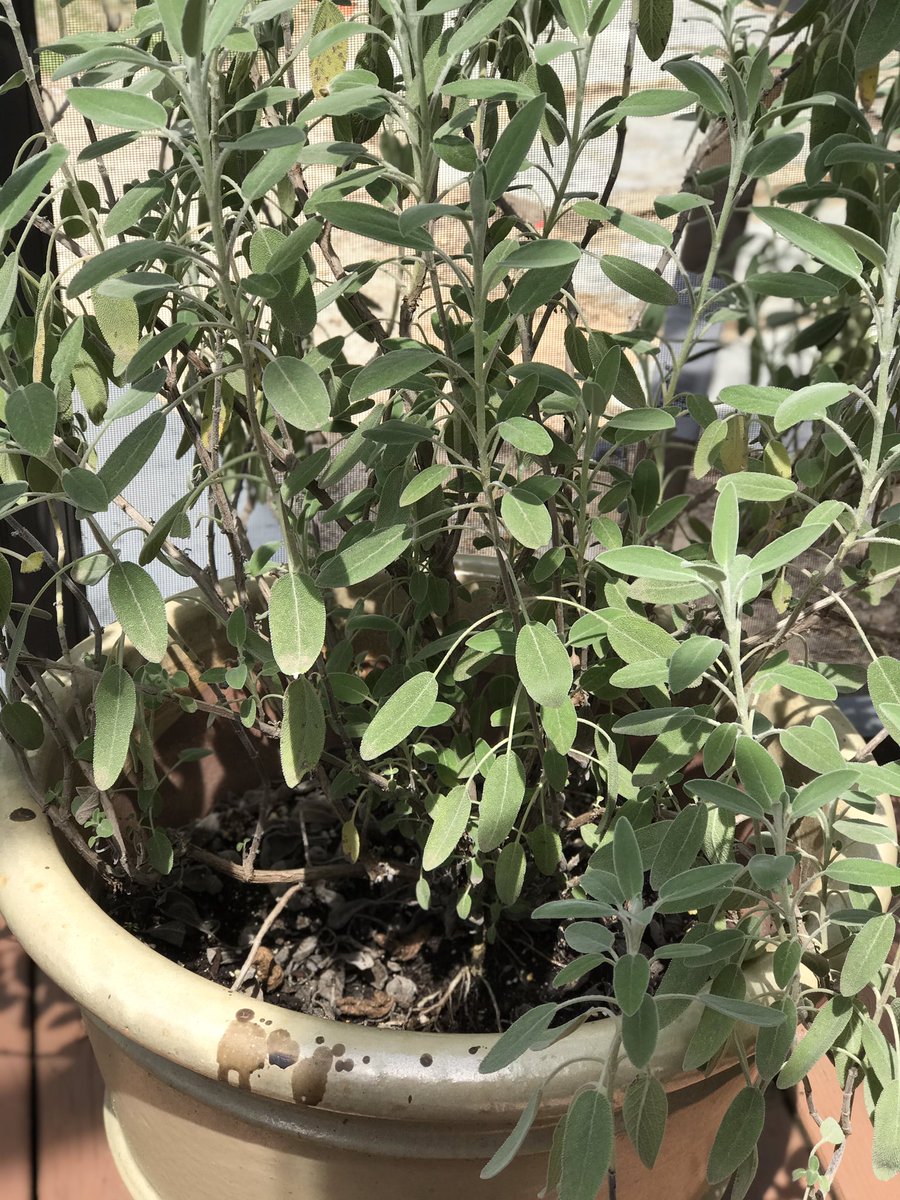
637	280
682	842
773	1042
883	678
501	800
511	149
389	371
140	609
22	724
400	714
737	1135
26	183
759	773
830	1022
31	413
449	821
296	623
302	731
521	1035
364	557
297	393
867	954
640	1032
817	239
587	1146
118	107
865	872
543	665
886	1140
655	19
631	975
645	1111
115	706
132	454
513	1143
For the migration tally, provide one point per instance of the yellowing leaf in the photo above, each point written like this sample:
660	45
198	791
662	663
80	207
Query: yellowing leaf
327	65
32	562
733	452
777	459
867	86
119	323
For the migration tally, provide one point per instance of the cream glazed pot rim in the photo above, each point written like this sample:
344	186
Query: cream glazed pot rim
202	1026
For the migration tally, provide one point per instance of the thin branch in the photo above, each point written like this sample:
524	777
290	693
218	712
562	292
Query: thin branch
365	869
277	909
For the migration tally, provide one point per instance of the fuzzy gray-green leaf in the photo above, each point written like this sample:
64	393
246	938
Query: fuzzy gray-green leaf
449	820
501	799
31	413
389	371
364	557
627	860
867	954
830	1022
22	724
297	393
115	705
400	714
759	772
631	976
645	1110
543	665
122	109
302	731
638	280
737	1135
883	678
773	1042
296	623
140	609
886	1142
23	185
587	1146
521	1035
513	1143
526	517
817	239
640	1031
680	846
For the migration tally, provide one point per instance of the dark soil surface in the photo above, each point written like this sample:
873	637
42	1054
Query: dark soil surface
353	949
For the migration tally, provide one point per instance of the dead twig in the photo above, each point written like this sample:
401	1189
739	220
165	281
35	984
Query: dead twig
256	945
364	868
871	745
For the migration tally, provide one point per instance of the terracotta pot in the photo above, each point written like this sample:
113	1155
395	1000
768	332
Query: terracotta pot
213	1097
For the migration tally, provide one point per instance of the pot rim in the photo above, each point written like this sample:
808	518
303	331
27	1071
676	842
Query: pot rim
179	1016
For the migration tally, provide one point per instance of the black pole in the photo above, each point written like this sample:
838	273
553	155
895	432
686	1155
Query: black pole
19	122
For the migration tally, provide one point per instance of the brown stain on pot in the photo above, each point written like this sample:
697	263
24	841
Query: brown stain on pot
242	1049
310	1076
283	1050
22	814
